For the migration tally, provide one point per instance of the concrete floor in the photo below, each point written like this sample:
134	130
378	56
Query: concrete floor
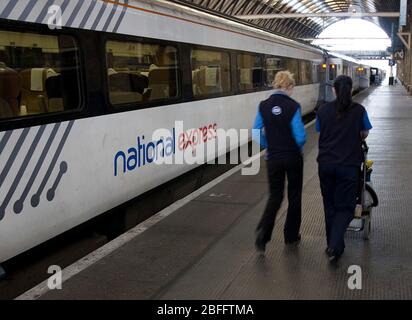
205	250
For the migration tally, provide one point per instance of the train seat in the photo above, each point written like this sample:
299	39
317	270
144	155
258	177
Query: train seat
199	81
122	90
54	92
162	83
195	82
257	75
33	90
9	92
207	80
139	82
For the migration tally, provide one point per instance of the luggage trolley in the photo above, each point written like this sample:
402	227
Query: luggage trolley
367	198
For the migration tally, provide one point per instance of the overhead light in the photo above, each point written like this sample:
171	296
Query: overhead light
354	9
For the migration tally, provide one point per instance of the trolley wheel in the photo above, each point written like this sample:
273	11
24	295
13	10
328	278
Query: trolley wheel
373	195
367	227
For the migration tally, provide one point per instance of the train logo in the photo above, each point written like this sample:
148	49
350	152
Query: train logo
144	153
18	205
177	140
277	110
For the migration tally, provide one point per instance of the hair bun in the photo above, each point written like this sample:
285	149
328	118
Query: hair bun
284	80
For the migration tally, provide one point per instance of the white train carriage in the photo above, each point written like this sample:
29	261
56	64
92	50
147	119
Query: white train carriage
337	65
363	73
79	104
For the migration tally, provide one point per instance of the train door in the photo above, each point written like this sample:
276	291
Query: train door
320	73
331	74
373	76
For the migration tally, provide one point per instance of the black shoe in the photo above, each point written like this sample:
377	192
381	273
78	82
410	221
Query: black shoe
332	255
260	244
295	241
333	260
260	249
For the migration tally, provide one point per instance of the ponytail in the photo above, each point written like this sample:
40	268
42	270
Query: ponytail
343	89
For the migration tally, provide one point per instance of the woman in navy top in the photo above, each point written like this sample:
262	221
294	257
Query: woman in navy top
279	128
342	125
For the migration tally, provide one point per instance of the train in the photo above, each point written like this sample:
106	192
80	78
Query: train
343	65
84	85
377	76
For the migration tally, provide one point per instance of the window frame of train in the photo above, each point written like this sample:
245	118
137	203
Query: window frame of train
296	73
322	68
361	71
255	88
232	91
346	69
308	71
317	73
114	108
34	119
333	71
269	85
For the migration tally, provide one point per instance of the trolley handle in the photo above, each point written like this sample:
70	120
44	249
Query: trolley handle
365	146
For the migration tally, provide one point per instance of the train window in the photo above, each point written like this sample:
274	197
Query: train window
361	71
292	65
332	72
38	74
305	72
321	72
141	72
210	72
346	71
316	72
272	66
249	69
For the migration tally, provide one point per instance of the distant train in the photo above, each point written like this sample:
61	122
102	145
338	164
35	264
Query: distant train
343	65
376	76
79	103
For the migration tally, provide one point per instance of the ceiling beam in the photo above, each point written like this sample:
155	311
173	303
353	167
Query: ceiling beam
406	41
343	38
320	15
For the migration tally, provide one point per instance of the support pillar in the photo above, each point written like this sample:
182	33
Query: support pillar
404	72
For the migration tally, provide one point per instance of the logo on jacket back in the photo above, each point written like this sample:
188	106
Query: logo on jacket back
276	110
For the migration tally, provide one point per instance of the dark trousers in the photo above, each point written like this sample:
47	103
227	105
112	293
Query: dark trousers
339	185
277	170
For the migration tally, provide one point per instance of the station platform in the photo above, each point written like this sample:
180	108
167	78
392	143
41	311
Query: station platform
205	248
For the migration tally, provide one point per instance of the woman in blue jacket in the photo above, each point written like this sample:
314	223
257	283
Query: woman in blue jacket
278	127
342	125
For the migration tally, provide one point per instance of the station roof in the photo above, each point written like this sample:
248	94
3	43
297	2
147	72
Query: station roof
297	28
